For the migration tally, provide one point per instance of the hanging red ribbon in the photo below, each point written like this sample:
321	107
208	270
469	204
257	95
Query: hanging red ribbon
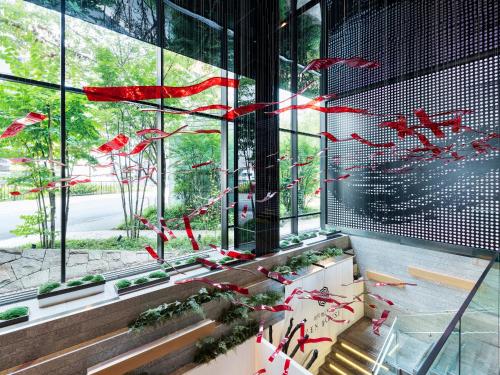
131	93
343	177
237	255
286	366
141	146
340	321
358	138
19	124
155	229
244	211
187	112
260	372
278	349
261	331
274	275
352	62
116	143
202	164
151	252
268	196
377	323
189	232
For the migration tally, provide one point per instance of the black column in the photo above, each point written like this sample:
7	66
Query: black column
266	127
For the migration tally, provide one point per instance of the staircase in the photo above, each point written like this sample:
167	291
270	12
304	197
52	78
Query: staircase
355	351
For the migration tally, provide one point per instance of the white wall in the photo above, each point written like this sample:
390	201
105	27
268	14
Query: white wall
251	357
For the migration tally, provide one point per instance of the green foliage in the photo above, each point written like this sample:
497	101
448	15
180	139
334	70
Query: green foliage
210	347
306	259
236	312
97	278
140	280
48	287
14	312
87	278
74	283
175	211
158	275
30	225
166	311
110	243
124	283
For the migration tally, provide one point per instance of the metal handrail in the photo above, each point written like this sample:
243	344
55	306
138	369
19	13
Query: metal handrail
426	365
384	350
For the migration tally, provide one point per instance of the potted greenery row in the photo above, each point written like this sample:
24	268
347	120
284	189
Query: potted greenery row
14	315
307	259
53	292
329	233
291	242
124	286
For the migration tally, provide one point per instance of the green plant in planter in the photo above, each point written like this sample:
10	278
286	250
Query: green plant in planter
166	311
210	347
157	275
141	280
283	269
48	287
97	278
306	259
124	283
226	260
284	243
14	312
74	283
295	240
87	278
236	312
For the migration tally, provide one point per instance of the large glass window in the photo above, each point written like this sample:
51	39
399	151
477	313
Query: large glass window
300	33
130	44
106	192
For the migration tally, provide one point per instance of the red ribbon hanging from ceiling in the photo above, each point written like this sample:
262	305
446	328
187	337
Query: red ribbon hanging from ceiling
116	143
352	62
132	93
19	124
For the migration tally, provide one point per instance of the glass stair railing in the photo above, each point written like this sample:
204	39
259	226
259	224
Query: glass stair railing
464	342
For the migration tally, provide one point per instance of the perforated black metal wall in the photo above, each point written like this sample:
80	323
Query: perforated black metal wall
437	55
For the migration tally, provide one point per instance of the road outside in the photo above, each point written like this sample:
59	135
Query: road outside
87	213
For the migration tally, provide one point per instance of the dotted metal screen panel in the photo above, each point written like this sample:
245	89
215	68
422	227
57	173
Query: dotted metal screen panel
446	199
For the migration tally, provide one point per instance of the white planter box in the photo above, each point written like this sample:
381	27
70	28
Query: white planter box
69	294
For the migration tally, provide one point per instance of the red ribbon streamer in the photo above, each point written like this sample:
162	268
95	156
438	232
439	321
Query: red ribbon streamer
237	255
130	93
141	146
377	323
202	164
19	124
116	143
343	177
221	286
314	340
340	321
155	229
352	62
268	196
260	372
189	232
274	275
244	211
358	138
151	252
261	331
187	112
286	367
278	349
